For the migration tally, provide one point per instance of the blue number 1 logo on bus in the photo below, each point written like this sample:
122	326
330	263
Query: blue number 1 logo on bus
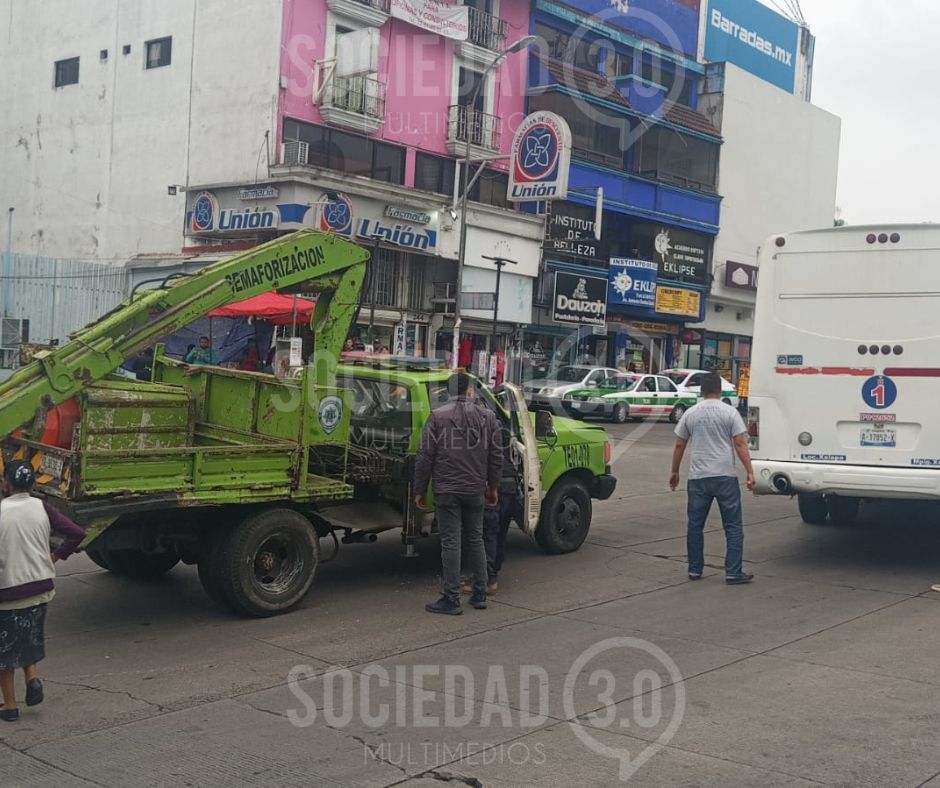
879	392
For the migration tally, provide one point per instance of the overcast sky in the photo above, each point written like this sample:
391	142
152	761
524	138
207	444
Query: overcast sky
877	68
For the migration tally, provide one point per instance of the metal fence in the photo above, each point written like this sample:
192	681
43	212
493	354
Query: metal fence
59	296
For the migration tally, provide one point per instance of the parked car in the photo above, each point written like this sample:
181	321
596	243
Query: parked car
690	380
626	397
548	394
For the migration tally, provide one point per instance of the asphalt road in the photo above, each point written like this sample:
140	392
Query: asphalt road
823	672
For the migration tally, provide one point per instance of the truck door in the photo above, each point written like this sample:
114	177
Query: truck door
524	449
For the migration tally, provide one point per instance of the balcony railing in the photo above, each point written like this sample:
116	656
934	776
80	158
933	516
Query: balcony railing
361	95
486	30
378	5
370	12
481	128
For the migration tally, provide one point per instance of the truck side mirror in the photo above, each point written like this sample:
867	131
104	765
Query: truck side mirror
544	425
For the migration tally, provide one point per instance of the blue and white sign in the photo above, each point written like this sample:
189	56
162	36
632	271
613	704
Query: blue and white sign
206	215
540	159
879	392
753	37
632	282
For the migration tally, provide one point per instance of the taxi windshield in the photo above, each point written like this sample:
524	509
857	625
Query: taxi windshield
626	382
677	376
571	374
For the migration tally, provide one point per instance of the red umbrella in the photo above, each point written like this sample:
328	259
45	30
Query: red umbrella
277	308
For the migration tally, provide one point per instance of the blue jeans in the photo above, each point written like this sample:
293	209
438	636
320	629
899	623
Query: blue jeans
727	491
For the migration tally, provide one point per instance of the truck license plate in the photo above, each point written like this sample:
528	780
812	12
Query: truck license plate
51	465
880	437
576	405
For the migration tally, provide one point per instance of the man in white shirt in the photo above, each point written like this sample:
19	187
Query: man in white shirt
717	433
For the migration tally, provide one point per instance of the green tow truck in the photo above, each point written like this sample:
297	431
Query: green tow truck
243	473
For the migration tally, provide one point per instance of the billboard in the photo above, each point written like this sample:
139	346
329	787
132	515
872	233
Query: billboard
632	282
579	300
444	19
753	37
672	23
540	159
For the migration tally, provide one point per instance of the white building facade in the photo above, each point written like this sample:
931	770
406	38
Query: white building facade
778	170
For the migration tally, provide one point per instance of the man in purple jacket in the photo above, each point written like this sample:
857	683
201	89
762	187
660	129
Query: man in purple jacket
461	454
26	581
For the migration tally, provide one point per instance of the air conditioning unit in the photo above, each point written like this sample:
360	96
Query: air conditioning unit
13	333
295	152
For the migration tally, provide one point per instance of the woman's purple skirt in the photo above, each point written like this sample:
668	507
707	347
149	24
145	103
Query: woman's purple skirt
22	637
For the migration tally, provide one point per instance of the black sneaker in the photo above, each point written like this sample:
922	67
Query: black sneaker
34	693
9	715
478	601
739	580
444	606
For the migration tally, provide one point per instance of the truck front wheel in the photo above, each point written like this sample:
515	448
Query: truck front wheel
566	517
267	562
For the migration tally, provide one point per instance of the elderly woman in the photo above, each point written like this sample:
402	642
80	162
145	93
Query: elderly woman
26	581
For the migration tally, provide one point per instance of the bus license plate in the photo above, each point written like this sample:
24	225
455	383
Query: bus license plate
881	437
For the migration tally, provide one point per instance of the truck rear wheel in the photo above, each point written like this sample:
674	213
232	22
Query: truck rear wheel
267	563
134	563
813	509
843	511
566	517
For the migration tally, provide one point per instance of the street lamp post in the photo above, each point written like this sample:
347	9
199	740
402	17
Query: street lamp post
519	45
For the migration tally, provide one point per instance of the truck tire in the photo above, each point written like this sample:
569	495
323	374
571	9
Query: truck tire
268	562
813	509
843	511
566	517
210	565
96	554
138	565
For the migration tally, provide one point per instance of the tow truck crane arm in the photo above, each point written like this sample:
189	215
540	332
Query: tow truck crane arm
97	350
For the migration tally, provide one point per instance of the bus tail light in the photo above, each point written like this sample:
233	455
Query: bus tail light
753	428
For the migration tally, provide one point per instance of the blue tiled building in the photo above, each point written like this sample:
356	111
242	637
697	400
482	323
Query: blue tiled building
625	77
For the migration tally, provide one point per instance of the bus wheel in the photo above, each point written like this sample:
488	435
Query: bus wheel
813	509
843	511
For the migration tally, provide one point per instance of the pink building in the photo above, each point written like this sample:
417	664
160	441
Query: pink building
373	114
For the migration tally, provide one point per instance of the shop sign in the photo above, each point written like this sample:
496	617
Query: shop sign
571	232
632	282
540	159
206	215
650	327
407	215
740	276
682	256
579	300
678	301
258	193
337	215
443	19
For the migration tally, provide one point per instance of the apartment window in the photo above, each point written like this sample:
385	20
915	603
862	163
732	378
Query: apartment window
468	82
595	136
159	52
619	64
349	153
668	155
434	174
491	189
66	72
672	78
383	274
577	51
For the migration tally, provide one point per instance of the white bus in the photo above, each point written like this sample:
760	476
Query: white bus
845	371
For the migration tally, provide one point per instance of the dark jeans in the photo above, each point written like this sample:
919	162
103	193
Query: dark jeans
727	491
496	522
456	515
